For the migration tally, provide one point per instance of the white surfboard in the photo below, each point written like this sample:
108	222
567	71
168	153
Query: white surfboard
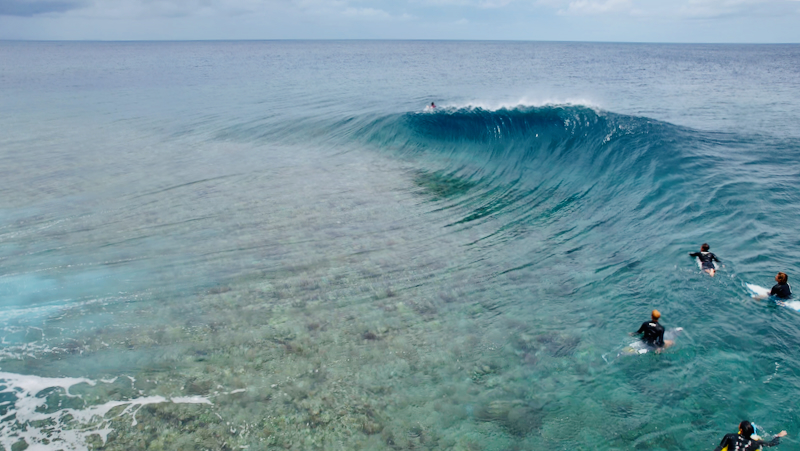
640	347
759	292
794	305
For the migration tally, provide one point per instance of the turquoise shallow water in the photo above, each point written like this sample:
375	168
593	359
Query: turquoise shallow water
275	245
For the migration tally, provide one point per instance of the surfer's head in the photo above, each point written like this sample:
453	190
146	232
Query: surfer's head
705	247
781	277
746	429
655	314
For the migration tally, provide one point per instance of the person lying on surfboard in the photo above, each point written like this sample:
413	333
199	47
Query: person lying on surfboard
707	259
744	440
654	333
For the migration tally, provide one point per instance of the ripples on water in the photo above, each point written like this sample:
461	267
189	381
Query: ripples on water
270	245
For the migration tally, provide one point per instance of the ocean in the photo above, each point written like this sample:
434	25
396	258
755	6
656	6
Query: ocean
279	245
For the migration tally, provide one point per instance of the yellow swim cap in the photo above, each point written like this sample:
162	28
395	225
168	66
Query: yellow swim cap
656	314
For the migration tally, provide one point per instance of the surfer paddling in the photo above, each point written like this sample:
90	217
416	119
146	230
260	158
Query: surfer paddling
653	333
707	259
746	440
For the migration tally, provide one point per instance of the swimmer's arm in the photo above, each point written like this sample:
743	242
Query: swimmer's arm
775	440
694	254
641	329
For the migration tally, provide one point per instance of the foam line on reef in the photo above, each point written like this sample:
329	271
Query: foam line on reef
28	416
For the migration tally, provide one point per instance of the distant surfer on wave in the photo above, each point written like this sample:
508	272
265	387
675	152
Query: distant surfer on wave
707	259
746	440
654	333
433	105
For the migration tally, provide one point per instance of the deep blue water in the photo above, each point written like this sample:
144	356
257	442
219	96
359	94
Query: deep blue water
277	245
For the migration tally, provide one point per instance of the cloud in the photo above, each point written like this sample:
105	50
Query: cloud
584	7
351	9
637	20
369	13
30	8
483	4
150	9
676	9
319	5
494	3
718	8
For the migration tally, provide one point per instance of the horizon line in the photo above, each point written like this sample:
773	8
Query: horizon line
391	40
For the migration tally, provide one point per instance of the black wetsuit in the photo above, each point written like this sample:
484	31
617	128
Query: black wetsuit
653	333
706	258
781	290
736	442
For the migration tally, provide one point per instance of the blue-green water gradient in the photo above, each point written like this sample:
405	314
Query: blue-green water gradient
277	245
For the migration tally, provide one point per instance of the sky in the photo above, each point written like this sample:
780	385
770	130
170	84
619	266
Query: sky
690	21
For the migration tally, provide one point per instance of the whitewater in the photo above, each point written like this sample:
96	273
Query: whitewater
279	245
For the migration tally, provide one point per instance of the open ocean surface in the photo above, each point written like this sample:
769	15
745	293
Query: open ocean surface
275	245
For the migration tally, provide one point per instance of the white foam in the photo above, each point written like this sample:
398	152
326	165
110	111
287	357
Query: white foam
523	103
190	400
69	428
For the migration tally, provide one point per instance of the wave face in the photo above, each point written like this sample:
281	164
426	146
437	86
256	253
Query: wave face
545	163
511	142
